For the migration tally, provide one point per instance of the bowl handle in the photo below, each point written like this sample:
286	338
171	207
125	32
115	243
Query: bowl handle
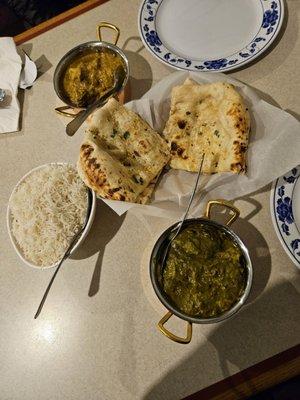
171	335
223	203
62	111
110	26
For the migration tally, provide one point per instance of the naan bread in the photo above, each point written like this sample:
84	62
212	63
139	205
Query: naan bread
211	119
121	155
145	196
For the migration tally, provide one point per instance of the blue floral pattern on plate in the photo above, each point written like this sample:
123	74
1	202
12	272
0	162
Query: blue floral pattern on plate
152	38
272	14
284	210
270	18
282	213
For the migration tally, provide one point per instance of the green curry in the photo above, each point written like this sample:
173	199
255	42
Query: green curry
204	274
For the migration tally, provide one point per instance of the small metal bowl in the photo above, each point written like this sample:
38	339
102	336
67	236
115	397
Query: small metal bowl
75	53
156	271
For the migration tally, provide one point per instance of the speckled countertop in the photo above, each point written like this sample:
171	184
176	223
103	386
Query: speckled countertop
96	337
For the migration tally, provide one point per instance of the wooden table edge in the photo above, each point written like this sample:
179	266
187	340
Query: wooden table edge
267	373
57	20
260	376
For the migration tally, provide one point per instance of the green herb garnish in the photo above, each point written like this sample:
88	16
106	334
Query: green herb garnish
138	179
114	132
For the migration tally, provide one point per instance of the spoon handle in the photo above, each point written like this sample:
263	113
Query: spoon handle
191	198
48	289
74	125
65	256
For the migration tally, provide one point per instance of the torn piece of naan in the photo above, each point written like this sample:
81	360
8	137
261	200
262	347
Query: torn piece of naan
211	119
121	155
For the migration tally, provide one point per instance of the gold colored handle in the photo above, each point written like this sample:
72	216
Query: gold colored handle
110	26
222	203
171	335
61	111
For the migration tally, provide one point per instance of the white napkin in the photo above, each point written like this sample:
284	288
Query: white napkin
10	69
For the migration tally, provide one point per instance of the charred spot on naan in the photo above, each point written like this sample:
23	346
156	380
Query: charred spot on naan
238	167
240	118
94	176
181	124
174	147
87	149
239	149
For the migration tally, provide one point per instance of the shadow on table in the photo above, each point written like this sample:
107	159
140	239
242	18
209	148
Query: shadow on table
43	65
104	228
259	330
140	70
249	198
294	114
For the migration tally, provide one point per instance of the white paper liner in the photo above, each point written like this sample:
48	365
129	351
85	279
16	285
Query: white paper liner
274	148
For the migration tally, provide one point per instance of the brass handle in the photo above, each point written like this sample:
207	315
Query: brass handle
61	111
110	26
226	204
171	335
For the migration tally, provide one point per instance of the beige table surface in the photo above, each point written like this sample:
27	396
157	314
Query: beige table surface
96	337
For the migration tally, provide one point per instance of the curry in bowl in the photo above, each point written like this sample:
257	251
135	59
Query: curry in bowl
89	75
204	275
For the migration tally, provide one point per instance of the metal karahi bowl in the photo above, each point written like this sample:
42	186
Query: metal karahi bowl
75	53
156	271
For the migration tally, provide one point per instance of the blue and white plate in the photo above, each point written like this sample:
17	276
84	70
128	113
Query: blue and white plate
209	35
285	211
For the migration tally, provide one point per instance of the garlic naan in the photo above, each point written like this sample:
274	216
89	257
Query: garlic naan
121	155
211	119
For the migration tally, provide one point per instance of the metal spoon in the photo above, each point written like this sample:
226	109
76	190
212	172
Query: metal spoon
66	255
74	125
185	214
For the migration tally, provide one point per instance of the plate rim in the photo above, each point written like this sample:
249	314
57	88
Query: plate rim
244	61
285	244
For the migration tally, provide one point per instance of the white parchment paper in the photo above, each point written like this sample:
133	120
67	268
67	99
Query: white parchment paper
274	149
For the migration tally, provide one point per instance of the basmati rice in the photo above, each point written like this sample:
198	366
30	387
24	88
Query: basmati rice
47	209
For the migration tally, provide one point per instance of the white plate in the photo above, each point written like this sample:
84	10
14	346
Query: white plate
9	222
209	35
285	211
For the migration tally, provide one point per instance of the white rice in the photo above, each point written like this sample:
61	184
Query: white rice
47	209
